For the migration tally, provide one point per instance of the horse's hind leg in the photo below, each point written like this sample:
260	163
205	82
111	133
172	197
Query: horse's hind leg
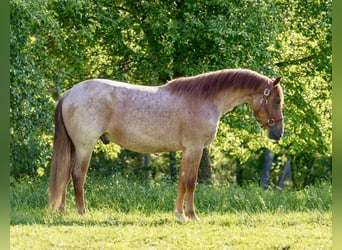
62	206
187	183
79	175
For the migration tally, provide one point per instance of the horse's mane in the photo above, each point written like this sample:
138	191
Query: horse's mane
209	84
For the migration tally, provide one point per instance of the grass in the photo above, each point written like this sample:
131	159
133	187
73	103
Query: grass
130	215
106	229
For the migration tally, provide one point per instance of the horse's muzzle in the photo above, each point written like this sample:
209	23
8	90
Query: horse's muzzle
275	132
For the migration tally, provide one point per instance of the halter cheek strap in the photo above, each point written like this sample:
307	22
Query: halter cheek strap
264	101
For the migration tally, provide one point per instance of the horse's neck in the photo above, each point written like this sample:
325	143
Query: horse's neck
229	99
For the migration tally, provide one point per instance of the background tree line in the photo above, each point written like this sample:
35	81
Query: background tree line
55	44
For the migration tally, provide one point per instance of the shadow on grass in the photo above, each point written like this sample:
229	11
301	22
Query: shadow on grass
91	218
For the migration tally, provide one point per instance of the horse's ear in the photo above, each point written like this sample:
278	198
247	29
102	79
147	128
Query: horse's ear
275	80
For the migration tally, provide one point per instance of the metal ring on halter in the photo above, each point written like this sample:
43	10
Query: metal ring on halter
267	92
263	101
270	122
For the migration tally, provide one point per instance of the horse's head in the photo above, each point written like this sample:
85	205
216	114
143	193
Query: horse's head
267	107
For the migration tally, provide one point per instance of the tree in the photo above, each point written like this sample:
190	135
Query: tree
304	52
55	44
30	100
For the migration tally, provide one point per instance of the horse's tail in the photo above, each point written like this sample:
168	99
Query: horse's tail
61	163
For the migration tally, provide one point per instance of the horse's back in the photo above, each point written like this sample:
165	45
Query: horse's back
139	118
135	117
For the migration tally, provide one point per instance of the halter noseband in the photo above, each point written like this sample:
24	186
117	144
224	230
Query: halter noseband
264	101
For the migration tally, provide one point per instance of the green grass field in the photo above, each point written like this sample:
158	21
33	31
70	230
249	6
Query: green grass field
131	215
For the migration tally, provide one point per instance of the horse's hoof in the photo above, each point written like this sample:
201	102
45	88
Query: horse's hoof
81	210
195	218
61	208
192	216
180	217
55	208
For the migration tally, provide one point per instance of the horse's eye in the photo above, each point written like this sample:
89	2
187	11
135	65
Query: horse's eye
277	101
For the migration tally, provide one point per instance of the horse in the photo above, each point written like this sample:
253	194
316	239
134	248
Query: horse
181	115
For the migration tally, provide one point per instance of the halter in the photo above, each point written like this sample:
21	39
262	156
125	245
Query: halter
264	101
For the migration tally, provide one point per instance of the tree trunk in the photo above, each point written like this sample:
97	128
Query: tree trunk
173	166
286	173
239	177
147	166
204	171
266	169
144	162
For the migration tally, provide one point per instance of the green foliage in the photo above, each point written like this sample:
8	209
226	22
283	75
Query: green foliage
304	52
31	108
55	44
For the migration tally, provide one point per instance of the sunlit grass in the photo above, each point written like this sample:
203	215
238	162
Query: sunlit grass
130	215
105	229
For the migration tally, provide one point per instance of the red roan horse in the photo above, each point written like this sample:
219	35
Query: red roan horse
180	115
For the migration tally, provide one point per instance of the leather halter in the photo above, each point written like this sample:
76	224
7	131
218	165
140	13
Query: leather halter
264	101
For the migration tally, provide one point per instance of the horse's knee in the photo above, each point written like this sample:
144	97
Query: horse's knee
77	174
191	184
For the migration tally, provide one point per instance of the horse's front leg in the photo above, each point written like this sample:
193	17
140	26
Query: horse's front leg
187	184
